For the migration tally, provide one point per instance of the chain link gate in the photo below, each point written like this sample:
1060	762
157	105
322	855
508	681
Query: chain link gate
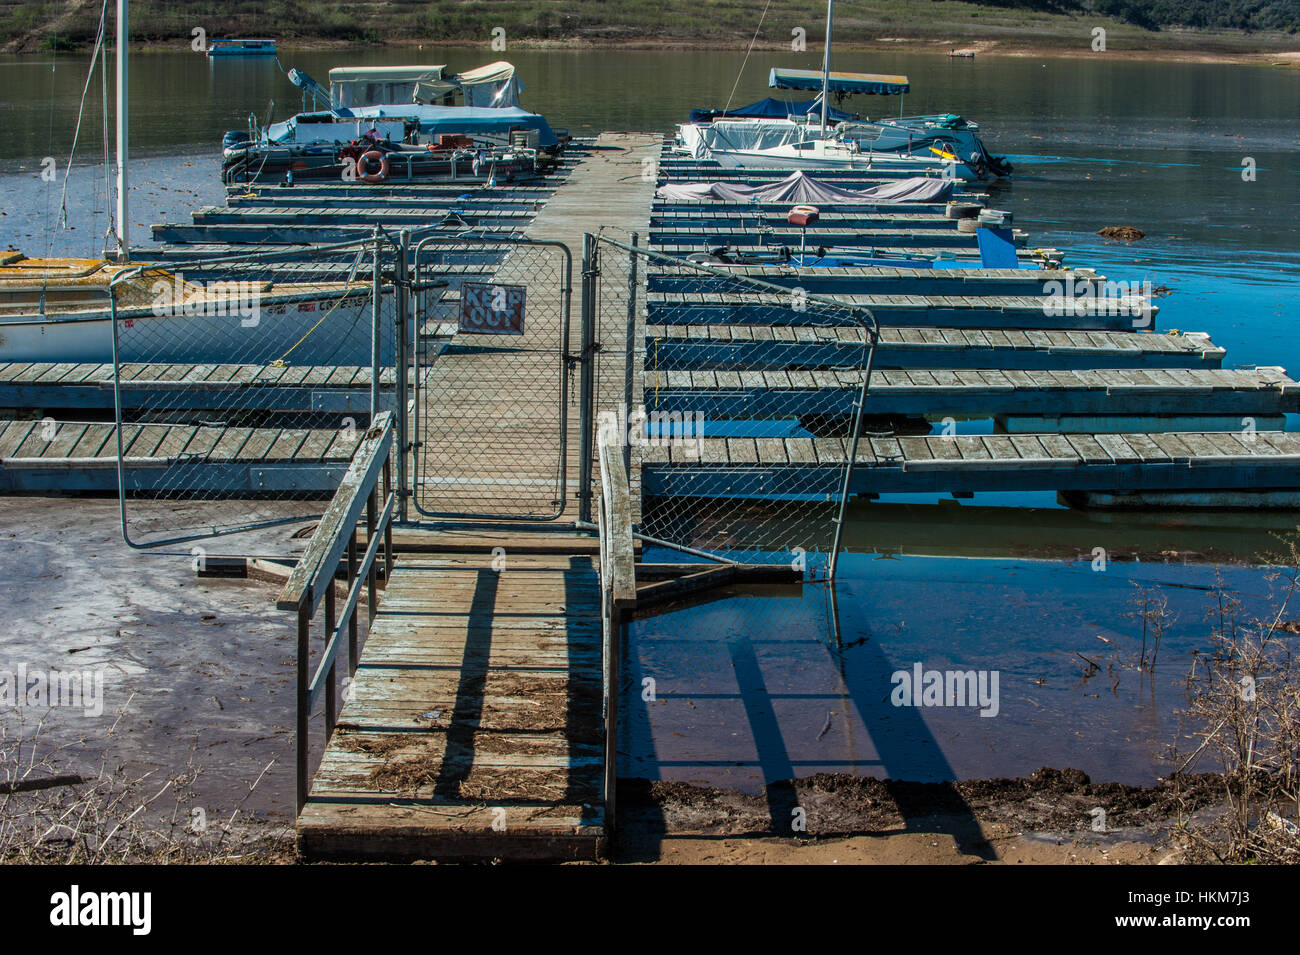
241	386
720	386
492	378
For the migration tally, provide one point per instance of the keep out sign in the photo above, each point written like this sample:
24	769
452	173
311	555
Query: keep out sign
491	309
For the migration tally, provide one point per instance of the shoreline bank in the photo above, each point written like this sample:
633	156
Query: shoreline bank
1285	54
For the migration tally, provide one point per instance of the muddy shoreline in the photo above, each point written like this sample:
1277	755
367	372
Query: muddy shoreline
1052	816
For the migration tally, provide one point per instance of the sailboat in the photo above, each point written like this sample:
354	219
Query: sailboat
942	144
60	309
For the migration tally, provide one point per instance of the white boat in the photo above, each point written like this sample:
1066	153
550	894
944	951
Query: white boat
812	151
57	310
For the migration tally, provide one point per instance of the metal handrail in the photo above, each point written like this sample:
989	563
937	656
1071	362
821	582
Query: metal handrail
333	546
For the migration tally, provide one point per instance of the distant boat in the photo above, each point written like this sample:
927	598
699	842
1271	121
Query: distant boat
964	54
235	47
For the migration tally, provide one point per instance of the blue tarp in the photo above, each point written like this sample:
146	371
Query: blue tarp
465	120
770	109
839	82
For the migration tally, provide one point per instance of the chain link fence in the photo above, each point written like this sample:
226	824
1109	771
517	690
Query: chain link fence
723	389
242	385
491	407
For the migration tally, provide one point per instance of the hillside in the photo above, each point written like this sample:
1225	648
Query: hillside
1187	25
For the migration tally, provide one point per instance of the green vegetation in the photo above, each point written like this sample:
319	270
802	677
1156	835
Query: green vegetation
1225	24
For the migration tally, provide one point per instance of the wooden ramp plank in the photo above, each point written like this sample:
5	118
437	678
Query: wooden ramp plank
473	729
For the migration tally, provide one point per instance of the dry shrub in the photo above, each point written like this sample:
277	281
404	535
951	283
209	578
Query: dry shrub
51	814
1244	706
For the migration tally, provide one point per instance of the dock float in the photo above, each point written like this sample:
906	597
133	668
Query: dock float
932	305
1205	465
738	347
1175	395
70	457
342	389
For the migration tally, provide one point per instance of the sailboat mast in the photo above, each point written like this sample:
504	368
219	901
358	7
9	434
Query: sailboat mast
123	146
826	63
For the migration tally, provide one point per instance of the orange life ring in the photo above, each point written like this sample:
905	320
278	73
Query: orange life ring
363	163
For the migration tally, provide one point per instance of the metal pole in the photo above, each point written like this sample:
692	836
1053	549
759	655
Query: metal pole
873	333
586	393
123	133
354	656
611	721
376	328
402	299
826	64
331	689
630	354
303	714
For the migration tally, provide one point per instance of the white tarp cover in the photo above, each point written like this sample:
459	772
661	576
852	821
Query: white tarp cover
378	85
743	134
494	85
799	187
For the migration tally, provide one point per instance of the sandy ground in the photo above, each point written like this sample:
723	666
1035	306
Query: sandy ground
906	848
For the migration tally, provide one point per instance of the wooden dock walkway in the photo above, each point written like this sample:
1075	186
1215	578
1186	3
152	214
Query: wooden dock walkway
473	728
493	411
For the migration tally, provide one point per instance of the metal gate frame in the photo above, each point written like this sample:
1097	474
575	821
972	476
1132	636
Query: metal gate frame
411	435
591	323
376	243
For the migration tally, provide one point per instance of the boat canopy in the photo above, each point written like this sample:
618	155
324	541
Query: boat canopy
839	82
493	85
769	109
432	120
379	85
799	187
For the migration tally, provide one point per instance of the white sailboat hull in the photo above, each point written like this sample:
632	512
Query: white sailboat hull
790	157
86	336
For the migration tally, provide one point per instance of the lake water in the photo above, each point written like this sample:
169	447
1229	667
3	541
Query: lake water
760	686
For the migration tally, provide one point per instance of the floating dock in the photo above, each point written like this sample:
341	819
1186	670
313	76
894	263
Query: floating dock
473	728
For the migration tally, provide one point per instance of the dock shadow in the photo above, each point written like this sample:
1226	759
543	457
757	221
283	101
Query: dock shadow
905	746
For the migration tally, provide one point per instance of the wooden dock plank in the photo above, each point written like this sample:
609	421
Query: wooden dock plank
473	730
